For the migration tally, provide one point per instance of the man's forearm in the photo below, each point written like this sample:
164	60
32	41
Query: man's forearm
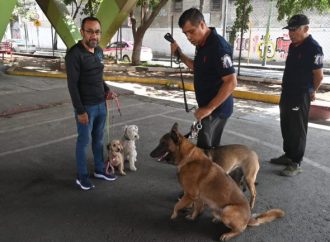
186	60
317	78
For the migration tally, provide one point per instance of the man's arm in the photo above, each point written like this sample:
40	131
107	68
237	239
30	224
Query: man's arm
317	79
227	88
73	72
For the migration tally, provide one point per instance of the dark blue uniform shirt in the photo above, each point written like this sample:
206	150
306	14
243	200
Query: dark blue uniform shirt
299	66
212	61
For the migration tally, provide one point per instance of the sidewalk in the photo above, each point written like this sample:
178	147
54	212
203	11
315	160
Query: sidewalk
264	88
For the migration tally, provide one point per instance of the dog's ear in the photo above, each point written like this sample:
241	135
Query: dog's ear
108	146
175	127
174	137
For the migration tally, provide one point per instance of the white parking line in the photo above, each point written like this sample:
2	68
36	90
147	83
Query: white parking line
269	145
256	140
58	120
74	136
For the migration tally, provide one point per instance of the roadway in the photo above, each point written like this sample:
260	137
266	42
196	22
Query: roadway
40	202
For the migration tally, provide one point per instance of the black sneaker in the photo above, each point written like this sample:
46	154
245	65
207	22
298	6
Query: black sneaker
102	175
84	183
291	170
282	160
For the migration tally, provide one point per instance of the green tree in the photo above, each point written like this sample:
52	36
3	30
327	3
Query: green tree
287	8
149	9
25	10
243	10
86	7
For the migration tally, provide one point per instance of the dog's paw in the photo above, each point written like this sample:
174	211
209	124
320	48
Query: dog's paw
191	217
174	215
215	220
133	168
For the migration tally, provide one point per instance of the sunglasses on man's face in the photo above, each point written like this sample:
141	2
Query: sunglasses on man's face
91	32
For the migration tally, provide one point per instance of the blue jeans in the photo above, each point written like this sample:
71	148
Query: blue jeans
94	131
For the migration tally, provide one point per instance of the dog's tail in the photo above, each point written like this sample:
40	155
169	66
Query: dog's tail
266	217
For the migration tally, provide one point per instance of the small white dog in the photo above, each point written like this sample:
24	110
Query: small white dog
131	134
115	157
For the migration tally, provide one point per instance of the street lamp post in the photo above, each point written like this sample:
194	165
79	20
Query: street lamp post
264	58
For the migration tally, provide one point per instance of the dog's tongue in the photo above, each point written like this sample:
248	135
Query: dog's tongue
163	156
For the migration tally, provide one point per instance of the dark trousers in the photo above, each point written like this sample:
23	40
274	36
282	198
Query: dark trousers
294	109
210	134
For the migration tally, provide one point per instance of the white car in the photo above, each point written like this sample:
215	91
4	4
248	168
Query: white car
20	45
124	50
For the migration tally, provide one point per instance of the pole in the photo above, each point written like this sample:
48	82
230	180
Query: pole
250	36
51	31
264	58
241	41
172	35
224	18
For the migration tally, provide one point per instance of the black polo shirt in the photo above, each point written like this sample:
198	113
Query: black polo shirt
213	61
299	66
85	76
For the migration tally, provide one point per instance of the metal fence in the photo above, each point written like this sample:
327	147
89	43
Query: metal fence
255	47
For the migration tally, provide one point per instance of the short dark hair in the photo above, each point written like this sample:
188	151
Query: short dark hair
90	18
193	15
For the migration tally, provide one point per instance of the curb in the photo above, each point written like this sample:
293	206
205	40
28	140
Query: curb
274	99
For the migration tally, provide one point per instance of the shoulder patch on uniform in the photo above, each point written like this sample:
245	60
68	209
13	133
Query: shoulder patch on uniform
226	61
318	59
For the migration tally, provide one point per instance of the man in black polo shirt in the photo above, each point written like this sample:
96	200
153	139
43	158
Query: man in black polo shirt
214	76
88	91
302	77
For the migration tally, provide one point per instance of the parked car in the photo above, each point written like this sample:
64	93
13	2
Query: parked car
5	47
20	45
125	49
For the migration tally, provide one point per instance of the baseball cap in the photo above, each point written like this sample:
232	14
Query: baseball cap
296	21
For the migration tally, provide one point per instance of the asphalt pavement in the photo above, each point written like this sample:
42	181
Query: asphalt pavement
39	200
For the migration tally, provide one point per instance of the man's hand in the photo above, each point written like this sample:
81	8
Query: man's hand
175	49
111	95
83	118
312	95
201	113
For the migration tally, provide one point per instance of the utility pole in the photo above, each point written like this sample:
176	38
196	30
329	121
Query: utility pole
224	18
264	59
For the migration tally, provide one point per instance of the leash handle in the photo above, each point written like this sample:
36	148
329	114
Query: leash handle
170	39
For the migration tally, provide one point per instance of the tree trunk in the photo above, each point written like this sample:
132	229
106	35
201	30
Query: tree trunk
138	33
137	49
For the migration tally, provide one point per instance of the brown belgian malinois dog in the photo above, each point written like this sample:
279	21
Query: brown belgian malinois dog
206	183
239	161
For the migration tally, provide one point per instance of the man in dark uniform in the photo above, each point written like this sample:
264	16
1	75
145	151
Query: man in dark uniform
302	77
88	91
214	76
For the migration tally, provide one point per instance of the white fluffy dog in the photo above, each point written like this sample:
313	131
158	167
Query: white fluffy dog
128	140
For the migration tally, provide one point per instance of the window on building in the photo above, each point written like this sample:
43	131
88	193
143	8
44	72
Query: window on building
216	4
177	5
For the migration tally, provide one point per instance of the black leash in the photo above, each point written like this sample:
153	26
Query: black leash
169	38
